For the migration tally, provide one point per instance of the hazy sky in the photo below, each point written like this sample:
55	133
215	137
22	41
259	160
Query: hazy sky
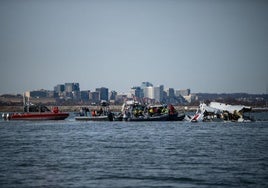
208	46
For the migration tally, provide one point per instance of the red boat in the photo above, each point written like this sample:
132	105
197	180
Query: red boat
37	113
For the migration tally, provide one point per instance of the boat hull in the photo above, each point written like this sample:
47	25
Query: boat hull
157	118
164	117
176	117
95	118
38	116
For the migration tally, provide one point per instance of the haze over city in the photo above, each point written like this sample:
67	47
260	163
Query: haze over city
208	46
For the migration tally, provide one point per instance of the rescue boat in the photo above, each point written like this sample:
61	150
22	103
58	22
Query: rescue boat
48	115
36	112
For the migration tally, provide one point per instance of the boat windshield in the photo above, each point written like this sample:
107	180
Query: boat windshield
36	108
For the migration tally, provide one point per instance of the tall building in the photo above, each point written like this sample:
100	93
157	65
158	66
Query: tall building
94	97
148	92
113	95
171	92
72	91
156	93
68	91
161	88
59	88
70	87
120	98
137	92
183	92
37	93
85	95
143	86
104	93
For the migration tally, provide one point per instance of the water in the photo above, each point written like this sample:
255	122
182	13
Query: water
139	154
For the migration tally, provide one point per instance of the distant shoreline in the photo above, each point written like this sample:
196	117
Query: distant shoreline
113	108
76	108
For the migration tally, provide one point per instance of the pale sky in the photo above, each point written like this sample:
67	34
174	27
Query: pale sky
214	46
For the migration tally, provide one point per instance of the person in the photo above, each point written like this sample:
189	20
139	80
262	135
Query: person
135	112
101	111
151	111
93	113
55	109
171	109
164	110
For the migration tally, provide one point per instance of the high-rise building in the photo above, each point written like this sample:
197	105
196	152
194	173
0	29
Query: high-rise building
94	97
112	95
59	88
85	95
156	93
161	88
183	92
137	92
144	85
68	91
104	93
171	92
148	92
70	87
37	93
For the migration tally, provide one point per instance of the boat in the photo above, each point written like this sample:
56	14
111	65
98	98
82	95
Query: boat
136	111
178	117
36	112
216	111
103	114
93	118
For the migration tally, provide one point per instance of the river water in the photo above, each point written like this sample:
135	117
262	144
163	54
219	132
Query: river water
133	154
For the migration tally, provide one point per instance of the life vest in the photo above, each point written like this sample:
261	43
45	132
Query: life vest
55	109
93	113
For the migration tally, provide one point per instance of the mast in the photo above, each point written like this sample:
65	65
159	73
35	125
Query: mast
26	103
23	98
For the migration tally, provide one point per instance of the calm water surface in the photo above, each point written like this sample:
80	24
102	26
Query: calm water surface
124	154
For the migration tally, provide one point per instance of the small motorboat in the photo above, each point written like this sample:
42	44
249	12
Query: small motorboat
35	112
103	114
93	118
55	114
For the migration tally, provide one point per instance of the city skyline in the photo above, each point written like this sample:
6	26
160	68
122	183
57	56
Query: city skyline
70	93
55	88
208	46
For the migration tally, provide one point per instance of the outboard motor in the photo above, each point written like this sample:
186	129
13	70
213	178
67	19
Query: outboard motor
110	116
5	116
8	116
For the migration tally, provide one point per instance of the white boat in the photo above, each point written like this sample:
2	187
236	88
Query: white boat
103	114
94	118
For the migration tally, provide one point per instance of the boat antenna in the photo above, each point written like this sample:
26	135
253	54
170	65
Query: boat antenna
23	100
27	103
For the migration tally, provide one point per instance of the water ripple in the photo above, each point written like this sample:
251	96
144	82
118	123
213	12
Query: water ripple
119	154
